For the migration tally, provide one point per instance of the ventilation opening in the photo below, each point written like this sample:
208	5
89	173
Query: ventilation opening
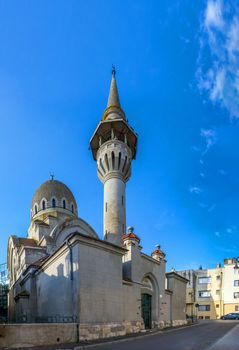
107	161
102	166
119	160
125	162
113	160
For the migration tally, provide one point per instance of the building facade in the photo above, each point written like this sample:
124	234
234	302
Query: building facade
212	293
3	292
64	272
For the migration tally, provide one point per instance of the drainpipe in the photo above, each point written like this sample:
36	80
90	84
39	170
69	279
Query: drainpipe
72	292
171	310
71	259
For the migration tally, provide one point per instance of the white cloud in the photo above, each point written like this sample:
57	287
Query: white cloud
213	14
195	189
210	137
202	205
233	39
218	62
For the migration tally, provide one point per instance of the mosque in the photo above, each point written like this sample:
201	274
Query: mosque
63	271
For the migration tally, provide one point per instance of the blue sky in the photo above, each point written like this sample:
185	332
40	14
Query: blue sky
178	79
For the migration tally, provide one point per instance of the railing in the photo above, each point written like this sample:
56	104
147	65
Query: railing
57	319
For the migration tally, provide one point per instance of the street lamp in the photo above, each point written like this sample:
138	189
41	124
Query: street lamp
236	263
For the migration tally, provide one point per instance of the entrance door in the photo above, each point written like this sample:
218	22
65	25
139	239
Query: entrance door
146	310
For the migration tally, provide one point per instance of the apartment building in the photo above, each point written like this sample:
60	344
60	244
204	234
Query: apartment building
212	292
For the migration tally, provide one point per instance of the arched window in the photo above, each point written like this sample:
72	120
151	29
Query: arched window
64	203
72	208
35	208
43	205
53	202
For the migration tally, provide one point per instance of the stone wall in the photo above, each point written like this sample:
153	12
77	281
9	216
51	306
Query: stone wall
26	335
100	331
37	334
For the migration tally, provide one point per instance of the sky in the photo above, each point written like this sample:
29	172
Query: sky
178	79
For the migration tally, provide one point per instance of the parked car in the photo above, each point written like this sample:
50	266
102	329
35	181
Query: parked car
231	316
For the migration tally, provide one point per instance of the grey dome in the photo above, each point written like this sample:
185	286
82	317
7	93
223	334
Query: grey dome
53	189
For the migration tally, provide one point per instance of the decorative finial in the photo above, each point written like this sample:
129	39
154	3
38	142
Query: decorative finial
113	70
52	176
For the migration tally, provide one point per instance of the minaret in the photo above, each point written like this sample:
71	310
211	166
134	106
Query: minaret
113	145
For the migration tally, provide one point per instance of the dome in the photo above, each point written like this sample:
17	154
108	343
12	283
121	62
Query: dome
53	194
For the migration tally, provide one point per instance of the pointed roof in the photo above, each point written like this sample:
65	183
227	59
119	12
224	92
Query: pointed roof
113	99
113	109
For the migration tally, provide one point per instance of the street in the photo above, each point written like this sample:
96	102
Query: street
212	335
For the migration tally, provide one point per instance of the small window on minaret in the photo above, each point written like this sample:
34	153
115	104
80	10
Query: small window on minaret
122	200
53	202
43	205
72	208
106	207
35	209
64	203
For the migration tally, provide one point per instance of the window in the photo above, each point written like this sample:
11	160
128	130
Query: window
236	295
122	200
35	209
218	292
236	283
204	308
72	208
218	277
200	317
204	280
106	207
64	204
204	293
236	307
207	317
43	205
217	305
53	202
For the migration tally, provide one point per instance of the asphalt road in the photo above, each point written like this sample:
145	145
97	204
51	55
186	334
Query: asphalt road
218	335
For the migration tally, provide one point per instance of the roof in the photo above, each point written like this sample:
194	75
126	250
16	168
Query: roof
158	251
177	276
113	109
53	189
131	235
27	242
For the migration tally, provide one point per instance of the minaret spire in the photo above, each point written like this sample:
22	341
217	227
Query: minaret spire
113	109
113	99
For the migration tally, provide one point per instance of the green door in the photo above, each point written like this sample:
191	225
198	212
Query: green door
146	310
